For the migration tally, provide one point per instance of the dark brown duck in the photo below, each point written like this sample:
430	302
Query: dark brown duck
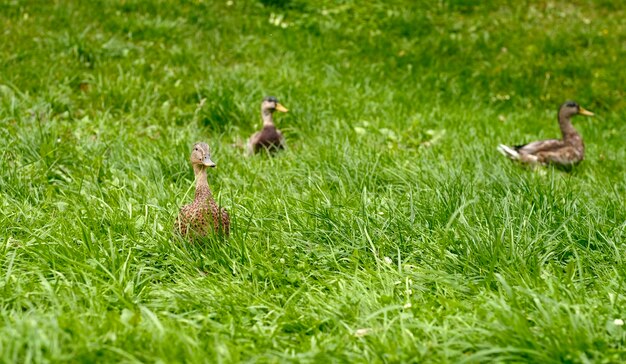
269	138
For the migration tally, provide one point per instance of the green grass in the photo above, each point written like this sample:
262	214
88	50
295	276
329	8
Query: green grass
391	230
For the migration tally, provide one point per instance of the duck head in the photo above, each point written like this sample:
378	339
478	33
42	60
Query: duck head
201	156
571	108
271	104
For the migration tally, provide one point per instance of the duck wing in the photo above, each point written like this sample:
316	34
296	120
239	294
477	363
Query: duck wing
181	225
253	142
540	146
542	151
565	156
225	222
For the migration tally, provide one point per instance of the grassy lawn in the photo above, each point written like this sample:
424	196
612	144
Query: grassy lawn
390	230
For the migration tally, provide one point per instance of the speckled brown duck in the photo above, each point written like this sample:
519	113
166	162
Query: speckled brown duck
203	216
269	139
565	152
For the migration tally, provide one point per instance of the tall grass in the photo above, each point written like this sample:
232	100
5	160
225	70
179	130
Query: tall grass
390	230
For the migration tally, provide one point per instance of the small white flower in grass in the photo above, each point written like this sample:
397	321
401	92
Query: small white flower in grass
362	332
618	322
229	3
407	305
388	260
282	260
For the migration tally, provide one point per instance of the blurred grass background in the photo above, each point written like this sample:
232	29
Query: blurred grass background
389	231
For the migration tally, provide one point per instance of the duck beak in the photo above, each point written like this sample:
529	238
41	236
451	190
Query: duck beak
585	112
281	108
207	162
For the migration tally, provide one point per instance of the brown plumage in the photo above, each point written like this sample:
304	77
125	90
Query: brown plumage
269	138
564	152
203	216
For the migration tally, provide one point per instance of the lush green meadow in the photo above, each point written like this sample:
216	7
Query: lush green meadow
390	230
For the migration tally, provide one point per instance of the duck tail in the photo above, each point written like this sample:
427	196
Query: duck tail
508	152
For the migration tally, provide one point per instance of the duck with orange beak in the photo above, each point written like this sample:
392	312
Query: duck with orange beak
269	139
565	152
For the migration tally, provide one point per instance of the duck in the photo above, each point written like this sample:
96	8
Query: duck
203	216
269	138
565	152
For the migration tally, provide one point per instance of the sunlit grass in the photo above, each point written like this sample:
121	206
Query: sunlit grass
390	230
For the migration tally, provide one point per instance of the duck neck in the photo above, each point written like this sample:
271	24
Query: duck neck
570	135
202	185
268	118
